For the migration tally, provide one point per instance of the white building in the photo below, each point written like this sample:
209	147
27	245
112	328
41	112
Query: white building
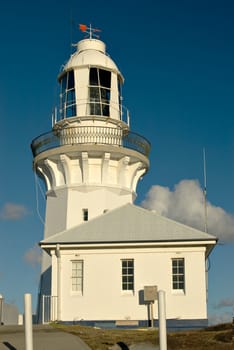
100	250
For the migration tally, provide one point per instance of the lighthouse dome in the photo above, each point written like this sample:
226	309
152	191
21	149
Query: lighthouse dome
91	52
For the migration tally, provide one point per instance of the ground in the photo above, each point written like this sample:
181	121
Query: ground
219	337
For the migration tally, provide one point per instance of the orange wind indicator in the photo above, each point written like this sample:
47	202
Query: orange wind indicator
83	27
89	30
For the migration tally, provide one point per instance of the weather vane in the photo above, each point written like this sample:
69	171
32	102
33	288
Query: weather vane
89	30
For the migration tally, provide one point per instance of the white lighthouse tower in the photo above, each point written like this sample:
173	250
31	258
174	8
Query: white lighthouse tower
89	161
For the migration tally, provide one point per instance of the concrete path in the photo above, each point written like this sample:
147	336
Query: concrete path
44	338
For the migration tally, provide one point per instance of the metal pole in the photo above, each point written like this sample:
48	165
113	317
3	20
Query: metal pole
43	309
162	320
28	321
1	309
204	192
152	314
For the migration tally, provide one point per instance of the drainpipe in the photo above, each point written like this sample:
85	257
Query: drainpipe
58	255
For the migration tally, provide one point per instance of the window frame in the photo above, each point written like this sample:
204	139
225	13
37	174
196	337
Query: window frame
127	276
99	91
85	212
178	274
77	277
68	95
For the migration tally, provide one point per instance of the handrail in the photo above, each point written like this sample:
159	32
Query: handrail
97	135
85	108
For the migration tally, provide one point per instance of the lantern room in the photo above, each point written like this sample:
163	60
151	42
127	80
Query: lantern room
90	86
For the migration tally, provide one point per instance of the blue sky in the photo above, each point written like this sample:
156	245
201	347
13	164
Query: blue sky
177	59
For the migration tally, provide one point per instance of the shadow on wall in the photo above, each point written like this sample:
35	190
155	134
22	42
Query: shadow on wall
44	289
10	314
146	303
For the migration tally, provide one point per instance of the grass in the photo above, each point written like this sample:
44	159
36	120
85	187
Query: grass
212	338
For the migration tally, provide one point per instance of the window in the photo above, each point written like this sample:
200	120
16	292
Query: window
85	215
120	94
99	91
67	95
77	276
178	275
128	274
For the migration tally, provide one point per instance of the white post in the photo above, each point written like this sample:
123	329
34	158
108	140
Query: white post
43	309
1	309
28	321
58	254
152	314
162	320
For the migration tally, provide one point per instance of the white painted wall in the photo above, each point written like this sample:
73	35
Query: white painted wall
56	212
103	298
65	206
84	181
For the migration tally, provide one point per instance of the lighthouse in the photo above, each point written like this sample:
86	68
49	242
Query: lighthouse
90	161
99	249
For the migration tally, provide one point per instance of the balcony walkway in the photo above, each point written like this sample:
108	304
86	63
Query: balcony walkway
95	135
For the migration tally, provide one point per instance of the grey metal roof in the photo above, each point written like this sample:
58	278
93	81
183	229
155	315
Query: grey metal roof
128	223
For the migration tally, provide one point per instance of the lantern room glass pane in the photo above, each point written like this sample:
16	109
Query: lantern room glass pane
93	76
120	96
105	78
94	96
99	91
70	80
67	95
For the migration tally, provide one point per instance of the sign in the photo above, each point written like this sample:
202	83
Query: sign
150	293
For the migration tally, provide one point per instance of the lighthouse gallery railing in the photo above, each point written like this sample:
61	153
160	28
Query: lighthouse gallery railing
90	135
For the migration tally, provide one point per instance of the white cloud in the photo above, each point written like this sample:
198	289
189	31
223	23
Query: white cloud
33	256
185	203
222	311
224	303
12	211
216	318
